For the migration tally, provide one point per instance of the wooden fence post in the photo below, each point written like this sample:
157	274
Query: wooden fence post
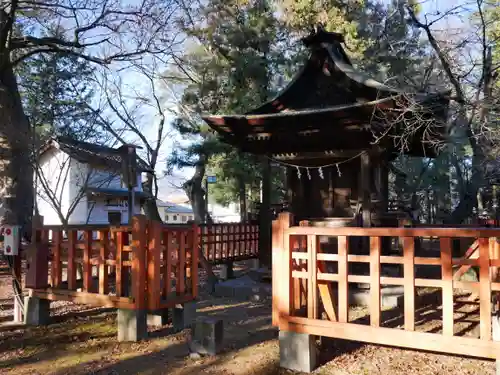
281	266
139	243
154	264
37	257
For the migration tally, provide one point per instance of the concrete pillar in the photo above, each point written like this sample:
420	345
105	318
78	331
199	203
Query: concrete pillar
254	263
132	325
226	271
36	311
207	336
495	325
183	315
158	317
298	351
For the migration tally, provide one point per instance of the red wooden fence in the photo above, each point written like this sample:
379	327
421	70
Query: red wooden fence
304	286
229	242
130	267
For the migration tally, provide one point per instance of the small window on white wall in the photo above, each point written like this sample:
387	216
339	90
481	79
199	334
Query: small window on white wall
184	218
166	218
174	217
114	217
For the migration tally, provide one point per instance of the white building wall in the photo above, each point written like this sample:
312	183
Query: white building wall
221	214
98	211
52	187
68	180
77	195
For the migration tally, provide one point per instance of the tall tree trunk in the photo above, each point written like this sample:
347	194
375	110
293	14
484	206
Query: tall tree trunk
196	194
16	196
16	176
150	206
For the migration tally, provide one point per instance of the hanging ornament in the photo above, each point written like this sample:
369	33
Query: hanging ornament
299	175
308	174
338	170
320	171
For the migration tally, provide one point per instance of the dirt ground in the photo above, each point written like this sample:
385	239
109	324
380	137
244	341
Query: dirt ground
82	340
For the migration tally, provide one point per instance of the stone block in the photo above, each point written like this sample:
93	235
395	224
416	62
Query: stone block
18	311
207	336
184	315
254	263
132	325
226	271
36	311
158	317
298	351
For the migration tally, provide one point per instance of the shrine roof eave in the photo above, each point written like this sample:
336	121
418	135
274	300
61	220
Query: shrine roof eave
361	114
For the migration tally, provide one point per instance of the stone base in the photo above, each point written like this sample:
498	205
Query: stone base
298	351
18	312
390	296
132	325
207	336
244	288
226	271
254	264
36	311
183	315
158	318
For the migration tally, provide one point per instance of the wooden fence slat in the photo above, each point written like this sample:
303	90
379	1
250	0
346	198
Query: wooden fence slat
139	245
103	268
211	247
87	266
194	260
343	285
247	240
236	241
231	241
154	264
71	268
447	285
312	272
484	290
119	240
409	282
225	252
169	250
181	265
56	272
375	245
297	283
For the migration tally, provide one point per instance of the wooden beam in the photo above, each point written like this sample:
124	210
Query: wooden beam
392	337
396	232
93	299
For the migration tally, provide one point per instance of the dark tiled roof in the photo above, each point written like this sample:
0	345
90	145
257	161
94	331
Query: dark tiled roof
94	154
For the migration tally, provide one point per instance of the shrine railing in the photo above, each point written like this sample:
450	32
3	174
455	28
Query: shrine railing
144	265
229	241
312	287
